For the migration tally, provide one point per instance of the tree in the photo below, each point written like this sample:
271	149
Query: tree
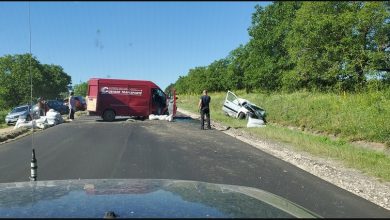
47	80
80	89
325	46
181	85
268	57
335	44
217	77
169	88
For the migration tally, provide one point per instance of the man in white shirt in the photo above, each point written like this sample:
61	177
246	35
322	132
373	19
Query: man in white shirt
72	106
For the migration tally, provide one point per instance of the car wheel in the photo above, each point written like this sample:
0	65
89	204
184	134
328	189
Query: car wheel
109	115
241	115
28	118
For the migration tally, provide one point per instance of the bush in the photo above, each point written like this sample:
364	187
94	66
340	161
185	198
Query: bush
3	113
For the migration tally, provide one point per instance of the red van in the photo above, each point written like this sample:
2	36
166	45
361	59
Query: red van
118	97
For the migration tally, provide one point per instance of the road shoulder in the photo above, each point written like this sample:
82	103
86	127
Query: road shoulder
327	169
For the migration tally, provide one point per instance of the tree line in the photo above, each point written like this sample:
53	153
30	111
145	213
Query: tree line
48	80
318	46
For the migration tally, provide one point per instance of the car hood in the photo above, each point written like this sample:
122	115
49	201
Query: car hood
141	198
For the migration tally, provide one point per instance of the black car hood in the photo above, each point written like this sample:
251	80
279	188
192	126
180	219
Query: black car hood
141	198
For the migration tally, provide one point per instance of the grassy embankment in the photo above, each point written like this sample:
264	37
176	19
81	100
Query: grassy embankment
3	113
348	117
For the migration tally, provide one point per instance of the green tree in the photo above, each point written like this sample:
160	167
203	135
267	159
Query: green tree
336	44
268	57
47	80
81	89
181	85
169	88
237	66
217	77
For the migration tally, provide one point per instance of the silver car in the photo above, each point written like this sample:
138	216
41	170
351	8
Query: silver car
241	108
23	111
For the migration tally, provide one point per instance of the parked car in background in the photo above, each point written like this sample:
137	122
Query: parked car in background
81	104
241	108
58	106
13	116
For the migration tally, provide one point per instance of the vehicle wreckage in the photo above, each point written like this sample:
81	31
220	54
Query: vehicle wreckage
242	108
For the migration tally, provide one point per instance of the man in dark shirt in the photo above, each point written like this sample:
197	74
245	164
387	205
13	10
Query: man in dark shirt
204	109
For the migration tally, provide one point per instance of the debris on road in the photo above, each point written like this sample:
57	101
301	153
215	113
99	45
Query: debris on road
52	118
255	123
161	117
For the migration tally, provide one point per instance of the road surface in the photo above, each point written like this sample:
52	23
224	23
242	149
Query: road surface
90	149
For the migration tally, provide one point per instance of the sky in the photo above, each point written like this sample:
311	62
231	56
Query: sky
157	41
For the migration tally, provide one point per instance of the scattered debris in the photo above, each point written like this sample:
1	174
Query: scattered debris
52	118
161	117
255	123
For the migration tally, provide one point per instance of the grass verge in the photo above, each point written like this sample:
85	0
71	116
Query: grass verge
369	161
3	113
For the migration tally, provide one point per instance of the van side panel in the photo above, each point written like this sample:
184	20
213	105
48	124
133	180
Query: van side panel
139	100
111	97
125	97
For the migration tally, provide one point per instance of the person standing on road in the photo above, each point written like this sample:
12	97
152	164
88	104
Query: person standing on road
204	109
72	106
42	106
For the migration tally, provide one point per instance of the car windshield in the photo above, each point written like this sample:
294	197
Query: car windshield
254	107
286	97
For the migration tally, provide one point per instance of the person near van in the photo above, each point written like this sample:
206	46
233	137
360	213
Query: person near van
204	109
42	106
72	106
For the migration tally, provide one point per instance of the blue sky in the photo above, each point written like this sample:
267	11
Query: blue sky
157	41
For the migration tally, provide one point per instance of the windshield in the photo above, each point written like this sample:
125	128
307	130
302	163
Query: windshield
255	107
288	97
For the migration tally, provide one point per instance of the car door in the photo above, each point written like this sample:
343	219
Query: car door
231	104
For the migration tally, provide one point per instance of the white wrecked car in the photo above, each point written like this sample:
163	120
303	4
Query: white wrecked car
242	108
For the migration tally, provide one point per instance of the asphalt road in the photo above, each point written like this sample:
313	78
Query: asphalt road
90	149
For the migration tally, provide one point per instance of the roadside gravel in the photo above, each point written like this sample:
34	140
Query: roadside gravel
330	170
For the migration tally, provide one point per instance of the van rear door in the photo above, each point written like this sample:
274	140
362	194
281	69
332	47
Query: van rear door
92	96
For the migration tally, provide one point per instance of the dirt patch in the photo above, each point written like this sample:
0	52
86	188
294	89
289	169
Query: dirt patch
327	169
9	134
6	129
373	146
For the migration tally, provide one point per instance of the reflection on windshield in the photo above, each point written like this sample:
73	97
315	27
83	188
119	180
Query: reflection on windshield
227	202
136	198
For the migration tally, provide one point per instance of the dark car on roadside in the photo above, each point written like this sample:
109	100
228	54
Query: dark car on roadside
58	106
81	103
